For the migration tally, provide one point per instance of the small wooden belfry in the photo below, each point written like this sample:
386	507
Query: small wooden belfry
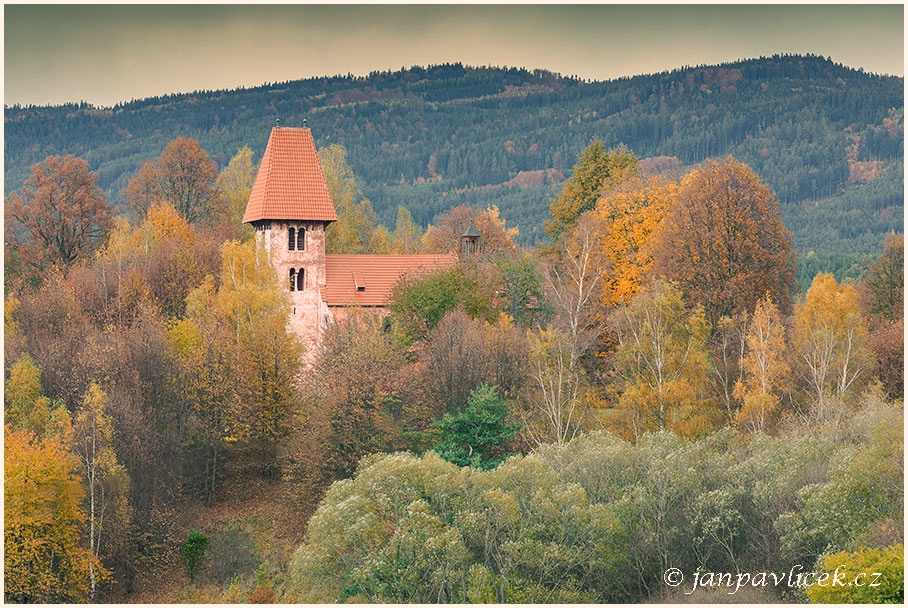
469	243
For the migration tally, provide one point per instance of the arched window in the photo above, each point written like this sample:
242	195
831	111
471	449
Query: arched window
301	279
293	278
301	239
292	240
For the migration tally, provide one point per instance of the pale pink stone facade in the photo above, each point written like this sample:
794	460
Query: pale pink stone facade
309	315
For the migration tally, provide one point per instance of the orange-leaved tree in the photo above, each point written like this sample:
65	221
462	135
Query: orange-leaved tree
631	208
495	238
183	176
59	216
724	244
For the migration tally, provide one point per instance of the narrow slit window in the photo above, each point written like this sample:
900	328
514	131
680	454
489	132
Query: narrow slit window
301	280
293	279
292	240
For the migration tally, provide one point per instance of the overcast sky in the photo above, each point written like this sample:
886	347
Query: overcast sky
104	54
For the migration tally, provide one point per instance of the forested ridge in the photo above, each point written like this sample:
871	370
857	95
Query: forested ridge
662	385
826	138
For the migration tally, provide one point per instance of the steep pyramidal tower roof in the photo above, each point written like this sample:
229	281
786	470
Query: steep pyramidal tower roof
290	184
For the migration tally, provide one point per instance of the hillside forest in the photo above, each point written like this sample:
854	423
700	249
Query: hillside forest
827	139
648	385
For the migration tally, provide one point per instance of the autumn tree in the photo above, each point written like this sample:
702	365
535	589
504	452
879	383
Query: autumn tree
874	575
54	330
765	369
886	279
573	287
494	237
26	406
253	309
521	293
574	279
724	243
462	353
595	168
631	208
143	190
886	319
59	216
407	237
455	360
238	363
234	185
555	411
183	176
44	560
158	262
107	482
208	399
573	284
419	304
661	360
381	241
831	344
352	232
727	345
353	405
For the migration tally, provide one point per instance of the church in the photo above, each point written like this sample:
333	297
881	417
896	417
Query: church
290	207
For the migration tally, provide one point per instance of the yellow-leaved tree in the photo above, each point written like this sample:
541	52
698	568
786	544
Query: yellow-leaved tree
352	232
234	185
238	363
662	362
44	560
407	236
765	369
157	262
831	345
27	408
106	480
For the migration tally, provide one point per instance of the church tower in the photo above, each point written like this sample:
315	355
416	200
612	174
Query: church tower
290	208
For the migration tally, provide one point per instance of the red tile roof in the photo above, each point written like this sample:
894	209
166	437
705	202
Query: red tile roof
290	184
376	275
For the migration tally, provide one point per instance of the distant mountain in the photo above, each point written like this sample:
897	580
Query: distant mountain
827	138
